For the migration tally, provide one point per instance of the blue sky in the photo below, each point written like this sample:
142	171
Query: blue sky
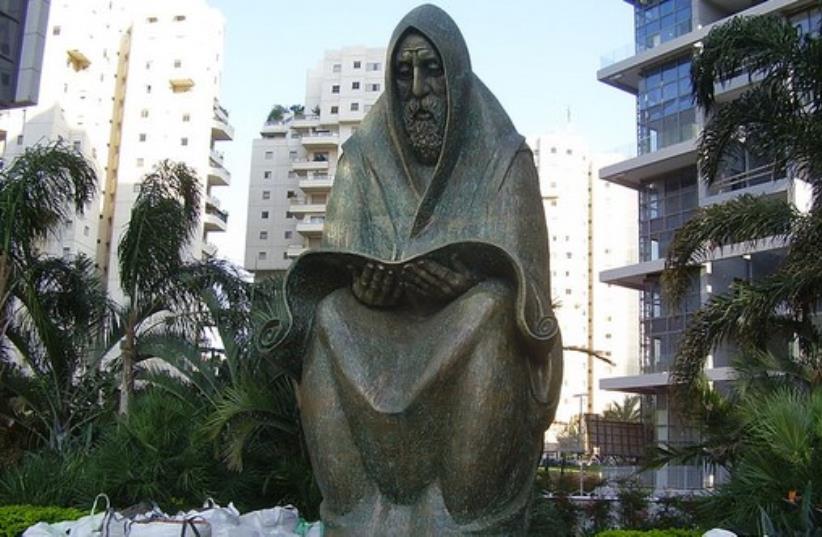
539	57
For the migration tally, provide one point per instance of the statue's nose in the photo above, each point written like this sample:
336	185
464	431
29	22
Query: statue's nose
419	86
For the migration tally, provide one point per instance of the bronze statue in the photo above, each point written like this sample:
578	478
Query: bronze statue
422	334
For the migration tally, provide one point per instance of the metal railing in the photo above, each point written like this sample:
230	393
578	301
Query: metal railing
221	215
746	179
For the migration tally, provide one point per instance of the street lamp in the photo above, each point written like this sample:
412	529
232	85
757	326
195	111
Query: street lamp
580	443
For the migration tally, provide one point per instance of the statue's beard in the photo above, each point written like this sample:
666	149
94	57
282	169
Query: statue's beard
425	133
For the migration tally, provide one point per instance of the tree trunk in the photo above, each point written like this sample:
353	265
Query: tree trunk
5	272
127	348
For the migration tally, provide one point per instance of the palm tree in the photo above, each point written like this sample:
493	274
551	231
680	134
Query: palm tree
59	307
151	256
38	192
781	117
629	410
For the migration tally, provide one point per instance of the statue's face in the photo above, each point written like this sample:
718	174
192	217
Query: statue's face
421	87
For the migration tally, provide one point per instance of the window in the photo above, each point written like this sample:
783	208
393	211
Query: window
658	21
373	66
183	141
178	64
55	30
292	156
264	215
287	234
152	20
142	137
267	175
148	65
140	162
554	150
136	188
144	112
355	85
66	251
569	151
186	118
262	255
568	255
77	145
335	109
290	194
355	107
665	109
336	68
567	291
269	155
335	88
86	231
20	139
372	87
148	88
179	18
263	235
289	214
357	64
266	194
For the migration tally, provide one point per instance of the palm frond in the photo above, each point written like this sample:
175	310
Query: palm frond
742	220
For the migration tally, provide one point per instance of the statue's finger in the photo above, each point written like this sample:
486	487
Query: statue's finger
414	278
460	266
377	278
396	292
366	274
434	280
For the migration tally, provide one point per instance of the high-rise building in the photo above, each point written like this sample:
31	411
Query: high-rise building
293	163
129	84
24	24
664	175
592	226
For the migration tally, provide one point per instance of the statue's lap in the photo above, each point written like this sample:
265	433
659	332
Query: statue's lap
439	402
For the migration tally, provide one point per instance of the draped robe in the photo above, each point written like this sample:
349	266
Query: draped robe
428	421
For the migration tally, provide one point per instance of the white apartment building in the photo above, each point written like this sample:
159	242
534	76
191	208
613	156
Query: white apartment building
664	176
592	226
293	163
129	84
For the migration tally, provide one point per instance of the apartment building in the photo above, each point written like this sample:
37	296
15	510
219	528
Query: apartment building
592	226
294	160
664	175
129	84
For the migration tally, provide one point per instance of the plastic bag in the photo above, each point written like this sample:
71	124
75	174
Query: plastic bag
169	527
276	522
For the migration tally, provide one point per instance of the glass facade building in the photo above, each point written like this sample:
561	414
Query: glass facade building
658	21
664	205
12	18
665	109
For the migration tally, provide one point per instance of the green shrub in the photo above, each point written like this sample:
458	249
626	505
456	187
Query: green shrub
15	519
674	532
552	516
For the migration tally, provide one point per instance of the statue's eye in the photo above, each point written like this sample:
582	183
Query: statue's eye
434	66
404	70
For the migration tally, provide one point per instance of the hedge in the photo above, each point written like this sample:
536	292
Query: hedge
15	519
673	532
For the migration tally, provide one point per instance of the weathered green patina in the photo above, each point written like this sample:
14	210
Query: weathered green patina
428	356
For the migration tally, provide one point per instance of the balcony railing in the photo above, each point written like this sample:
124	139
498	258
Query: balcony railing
221	215
746	179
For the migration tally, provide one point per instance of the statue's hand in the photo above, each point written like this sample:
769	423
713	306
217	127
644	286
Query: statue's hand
437	281
376	286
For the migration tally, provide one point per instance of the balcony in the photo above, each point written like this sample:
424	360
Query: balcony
309	165
316	183
295	251
312	229
318	140
212	202
302	207
180	85
209	249
633	171
274	127
215	220
218	176
654	382
756	181
307	121
220	128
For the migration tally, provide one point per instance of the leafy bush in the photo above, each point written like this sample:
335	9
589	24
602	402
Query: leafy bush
15	519
44	478
674	532
552	516
633	505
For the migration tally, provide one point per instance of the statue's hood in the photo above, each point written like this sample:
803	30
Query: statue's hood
439	28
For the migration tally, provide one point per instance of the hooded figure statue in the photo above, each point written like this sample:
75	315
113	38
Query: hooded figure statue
421	333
